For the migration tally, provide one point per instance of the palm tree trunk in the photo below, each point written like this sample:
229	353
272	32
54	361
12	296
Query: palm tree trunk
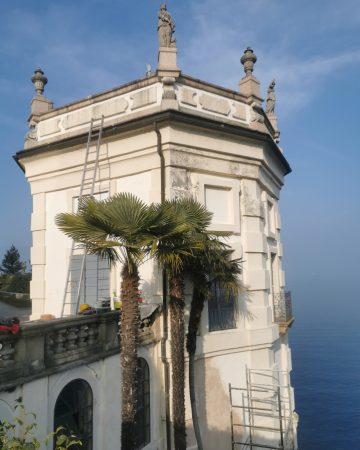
177	305
130	318
197	306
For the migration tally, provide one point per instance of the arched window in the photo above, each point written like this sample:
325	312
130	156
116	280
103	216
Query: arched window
74	411
143	405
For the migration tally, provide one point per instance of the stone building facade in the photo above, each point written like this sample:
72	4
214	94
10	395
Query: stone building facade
171	135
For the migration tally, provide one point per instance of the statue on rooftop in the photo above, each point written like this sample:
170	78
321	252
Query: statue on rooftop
166	28
271	99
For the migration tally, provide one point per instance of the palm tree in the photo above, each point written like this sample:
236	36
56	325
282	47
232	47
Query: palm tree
188	221
120	229
211	265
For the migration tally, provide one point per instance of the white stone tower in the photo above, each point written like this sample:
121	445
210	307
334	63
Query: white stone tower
169	135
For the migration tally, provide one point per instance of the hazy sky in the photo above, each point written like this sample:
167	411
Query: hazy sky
312	48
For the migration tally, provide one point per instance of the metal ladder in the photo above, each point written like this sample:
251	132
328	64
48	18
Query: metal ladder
265	407
72	293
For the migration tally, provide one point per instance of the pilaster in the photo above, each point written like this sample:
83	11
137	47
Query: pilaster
256	275
38	256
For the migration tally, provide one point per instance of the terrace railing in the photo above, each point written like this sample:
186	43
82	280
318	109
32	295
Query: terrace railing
282	307
45	347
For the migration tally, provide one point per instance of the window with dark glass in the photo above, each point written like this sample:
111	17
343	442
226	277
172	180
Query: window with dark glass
74	412
143	405
222	308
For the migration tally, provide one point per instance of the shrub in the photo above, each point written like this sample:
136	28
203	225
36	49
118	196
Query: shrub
26	423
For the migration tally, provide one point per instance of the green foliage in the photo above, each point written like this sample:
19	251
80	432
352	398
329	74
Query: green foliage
117	229
20	434
62	440
187	233
11	263
13	277
123	228
18	282
214	264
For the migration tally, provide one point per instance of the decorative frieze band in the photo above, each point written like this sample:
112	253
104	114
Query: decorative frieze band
118	106
215	104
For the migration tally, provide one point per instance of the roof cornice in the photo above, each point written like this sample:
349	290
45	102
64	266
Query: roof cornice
160	117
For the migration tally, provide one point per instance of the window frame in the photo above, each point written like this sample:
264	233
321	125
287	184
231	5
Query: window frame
223	307
77	410
96	283
231	185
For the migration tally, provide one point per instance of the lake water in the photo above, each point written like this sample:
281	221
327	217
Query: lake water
326	377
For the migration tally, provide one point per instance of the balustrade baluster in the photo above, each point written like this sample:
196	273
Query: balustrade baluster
71	338
93	333
83	336
49	343
60	341
7	353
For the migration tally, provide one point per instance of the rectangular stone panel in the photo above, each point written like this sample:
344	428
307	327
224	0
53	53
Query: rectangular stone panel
144	98
218	200
257	279
239	112
187	97
110	108
77	118
38	238
37	289
37	255
214	104
255	243
37	221
47	127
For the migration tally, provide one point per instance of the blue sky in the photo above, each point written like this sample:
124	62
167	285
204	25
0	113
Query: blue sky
312	48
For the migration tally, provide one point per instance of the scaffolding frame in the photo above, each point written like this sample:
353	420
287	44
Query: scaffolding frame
267	411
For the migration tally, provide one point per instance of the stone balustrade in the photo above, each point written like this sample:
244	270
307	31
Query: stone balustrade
46	347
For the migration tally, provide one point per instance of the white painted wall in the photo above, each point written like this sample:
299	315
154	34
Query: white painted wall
104	378
240	182
57	251
40	396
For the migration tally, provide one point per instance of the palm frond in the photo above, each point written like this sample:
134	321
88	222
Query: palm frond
181	231
214	264
120	222
78	228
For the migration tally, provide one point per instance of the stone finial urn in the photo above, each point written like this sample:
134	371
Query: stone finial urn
39	80
39	105
248	60
249	85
